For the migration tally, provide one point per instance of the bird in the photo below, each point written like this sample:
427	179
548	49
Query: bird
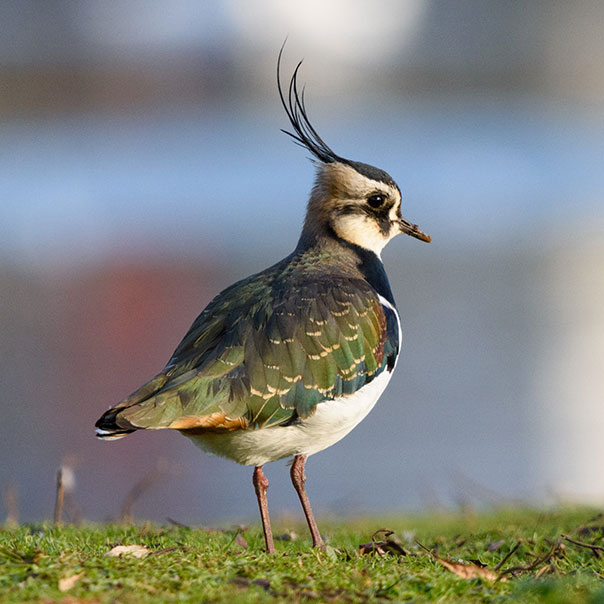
286	362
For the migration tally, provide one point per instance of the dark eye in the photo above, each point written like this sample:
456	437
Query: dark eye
376	201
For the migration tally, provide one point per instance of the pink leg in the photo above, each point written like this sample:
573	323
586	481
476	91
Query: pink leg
261	487
298	479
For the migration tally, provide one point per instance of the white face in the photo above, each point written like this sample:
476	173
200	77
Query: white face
365	212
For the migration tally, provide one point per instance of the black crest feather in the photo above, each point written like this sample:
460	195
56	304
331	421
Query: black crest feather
304	133
306	136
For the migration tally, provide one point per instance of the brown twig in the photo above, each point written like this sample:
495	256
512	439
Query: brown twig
426	549
60	497
537	562
596	549
509	555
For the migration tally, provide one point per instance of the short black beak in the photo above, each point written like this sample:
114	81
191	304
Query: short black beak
413	230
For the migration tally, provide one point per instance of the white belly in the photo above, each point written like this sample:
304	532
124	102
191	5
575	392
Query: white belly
331	422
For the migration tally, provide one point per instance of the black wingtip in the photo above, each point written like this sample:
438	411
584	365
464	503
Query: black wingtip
304	133
107	427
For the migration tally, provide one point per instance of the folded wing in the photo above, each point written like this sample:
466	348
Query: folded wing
260	355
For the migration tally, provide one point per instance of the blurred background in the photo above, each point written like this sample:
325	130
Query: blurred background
142	170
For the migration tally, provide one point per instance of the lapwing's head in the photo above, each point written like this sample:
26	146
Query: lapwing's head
350	200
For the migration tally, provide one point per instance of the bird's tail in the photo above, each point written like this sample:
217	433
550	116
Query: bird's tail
113	425
107	427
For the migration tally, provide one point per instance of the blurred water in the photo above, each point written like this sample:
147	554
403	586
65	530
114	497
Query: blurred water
115	232
473	171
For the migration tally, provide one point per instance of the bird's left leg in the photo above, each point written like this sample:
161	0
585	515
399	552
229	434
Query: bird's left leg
298	479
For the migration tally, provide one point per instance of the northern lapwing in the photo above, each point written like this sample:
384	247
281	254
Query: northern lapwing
288	361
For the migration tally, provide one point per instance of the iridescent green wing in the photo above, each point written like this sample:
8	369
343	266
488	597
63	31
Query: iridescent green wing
325	339
266	352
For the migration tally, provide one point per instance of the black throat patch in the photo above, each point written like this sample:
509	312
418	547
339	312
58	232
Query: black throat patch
372	268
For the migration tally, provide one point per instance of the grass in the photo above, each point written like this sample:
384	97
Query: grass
43	563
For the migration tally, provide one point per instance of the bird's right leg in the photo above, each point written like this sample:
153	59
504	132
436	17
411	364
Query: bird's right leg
261	487
298	479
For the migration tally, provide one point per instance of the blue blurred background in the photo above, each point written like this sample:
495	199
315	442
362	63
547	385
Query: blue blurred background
142	170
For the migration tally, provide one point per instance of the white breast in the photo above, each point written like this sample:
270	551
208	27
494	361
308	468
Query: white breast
331	421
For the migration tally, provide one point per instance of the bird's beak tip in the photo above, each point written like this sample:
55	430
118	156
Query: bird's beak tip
414	231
